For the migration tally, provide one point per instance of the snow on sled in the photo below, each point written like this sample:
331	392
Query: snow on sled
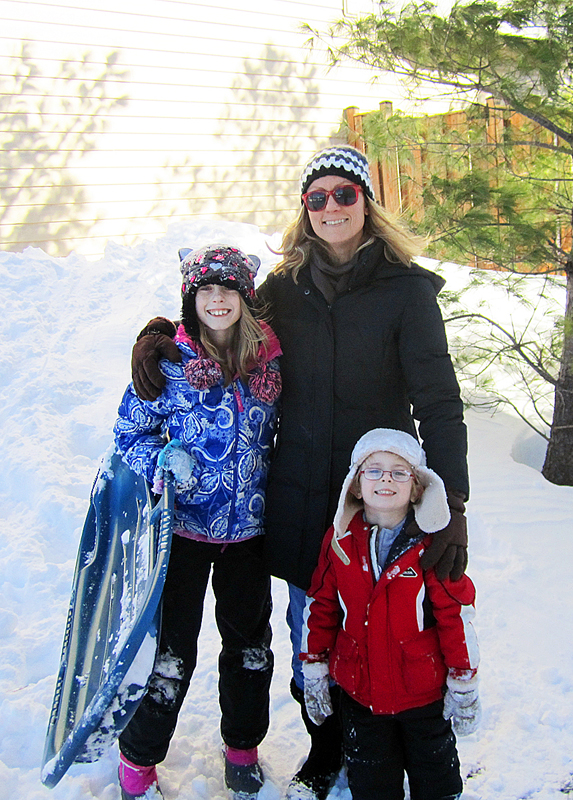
114	617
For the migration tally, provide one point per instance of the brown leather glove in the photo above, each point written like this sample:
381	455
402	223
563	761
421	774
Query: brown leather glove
153	343
448	552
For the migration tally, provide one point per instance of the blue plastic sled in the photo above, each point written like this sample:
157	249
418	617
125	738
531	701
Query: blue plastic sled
114	618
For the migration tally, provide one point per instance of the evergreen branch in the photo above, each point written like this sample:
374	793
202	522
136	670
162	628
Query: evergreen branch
516	345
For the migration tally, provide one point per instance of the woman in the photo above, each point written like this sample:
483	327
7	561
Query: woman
363	346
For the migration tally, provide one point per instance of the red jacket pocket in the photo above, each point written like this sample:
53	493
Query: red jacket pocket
423	668
347	668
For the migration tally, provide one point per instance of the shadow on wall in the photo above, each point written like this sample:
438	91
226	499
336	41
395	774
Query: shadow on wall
270	127
47	123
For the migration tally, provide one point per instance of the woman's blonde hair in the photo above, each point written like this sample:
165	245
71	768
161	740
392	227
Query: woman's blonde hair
241	355
402	245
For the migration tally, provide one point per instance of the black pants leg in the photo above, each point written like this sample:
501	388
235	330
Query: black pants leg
380	749
242	589
432	762
146	739
374	756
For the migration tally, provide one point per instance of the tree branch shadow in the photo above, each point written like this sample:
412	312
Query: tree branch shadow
42	134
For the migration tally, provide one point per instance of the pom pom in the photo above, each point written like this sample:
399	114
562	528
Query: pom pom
265	383
203	373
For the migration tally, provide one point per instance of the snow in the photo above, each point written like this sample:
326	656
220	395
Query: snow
67	327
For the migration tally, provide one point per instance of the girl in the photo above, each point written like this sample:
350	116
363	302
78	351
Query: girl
364	346
218	410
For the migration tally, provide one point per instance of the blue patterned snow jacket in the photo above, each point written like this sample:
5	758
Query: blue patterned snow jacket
227	429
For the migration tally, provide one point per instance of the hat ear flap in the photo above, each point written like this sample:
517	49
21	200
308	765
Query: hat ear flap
189	315
348	504
432	511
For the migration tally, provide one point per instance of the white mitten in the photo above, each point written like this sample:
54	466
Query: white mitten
179	463
461	702
317	690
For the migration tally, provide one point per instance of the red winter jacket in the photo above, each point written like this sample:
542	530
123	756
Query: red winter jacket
390	642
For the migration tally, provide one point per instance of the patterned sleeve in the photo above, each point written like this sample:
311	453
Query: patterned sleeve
138	432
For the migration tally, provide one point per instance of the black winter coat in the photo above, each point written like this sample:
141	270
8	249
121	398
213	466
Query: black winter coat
377	357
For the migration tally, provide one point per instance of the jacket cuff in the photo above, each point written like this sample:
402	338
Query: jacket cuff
461	678
313	670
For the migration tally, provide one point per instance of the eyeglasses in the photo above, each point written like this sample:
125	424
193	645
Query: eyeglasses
346	195
398	475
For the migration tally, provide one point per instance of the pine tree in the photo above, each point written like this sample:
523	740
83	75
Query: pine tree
503	201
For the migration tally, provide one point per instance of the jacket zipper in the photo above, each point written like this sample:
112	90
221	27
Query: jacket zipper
238	409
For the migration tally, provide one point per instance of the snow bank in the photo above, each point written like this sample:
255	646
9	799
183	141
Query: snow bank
67	328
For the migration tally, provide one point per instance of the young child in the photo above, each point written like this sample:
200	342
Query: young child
392	636
217	411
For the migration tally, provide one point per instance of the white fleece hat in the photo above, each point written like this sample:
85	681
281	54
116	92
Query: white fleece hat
431	512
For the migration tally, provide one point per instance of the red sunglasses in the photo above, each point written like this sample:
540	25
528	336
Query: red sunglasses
346	195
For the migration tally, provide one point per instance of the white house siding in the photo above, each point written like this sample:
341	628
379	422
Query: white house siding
118	118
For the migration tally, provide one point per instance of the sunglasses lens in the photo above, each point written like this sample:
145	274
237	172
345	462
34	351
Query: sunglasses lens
316	201
343	195
346	195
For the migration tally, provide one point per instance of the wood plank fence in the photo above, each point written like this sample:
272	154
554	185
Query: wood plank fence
399	177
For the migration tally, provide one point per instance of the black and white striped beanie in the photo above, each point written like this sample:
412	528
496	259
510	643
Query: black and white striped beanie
346	161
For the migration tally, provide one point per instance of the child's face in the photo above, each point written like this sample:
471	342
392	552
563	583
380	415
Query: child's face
386	498
218	308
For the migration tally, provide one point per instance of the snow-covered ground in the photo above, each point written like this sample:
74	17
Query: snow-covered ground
67	328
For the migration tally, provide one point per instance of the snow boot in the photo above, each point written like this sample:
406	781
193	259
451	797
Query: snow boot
137	783
315	778
243	774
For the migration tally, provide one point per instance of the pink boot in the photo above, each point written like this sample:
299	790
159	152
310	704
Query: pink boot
243	774
137	783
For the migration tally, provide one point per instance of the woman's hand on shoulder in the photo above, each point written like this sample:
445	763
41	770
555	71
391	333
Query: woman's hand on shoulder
153	343
448	552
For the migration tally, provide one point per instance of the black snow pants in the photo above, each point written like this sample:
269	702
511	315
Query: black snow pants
242	610
380	748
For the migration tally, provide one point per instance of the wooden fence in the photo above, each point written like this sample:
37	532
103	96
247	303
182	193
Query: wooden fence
398	178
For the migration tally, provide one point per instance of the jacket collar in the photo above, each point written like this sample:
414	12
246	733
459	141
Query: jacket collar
373	265
406	539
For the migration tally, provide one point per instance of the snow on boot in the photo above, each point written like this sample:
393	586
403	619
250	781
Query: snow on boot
137	783
311	782
243	773
317	775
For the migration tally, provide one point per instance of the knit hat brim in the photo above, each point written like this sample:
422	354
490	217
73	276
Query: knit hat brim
345	161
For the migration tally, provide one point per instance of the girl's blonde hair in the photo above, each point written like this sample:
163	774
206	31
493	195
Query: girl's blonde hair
402	245
241	355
